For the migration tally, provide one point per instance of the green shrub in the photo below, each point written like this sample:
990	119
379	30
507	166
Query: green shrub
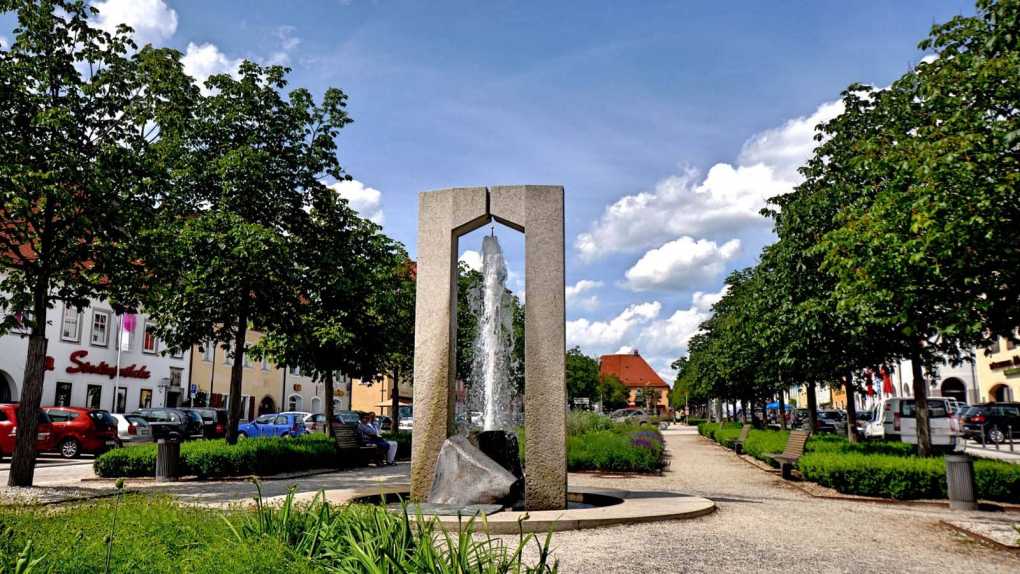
580	422
693	421
641	451
215	458
154	535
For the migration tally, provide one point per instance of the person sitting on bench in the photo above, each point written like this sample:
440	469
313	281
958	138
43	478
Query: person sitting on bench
370	436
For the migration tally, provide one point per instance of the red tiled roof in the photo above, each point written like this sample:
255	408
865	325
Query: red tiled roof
631	369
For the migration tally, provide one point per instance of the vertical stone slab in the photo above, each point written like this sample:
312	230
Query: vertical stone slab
442	217
538	212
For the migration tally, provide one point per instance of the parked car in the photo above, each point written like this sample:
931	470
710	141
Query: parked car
406	418
315	423
831	421
992	421
900	422
78	430
168	423
274	424
132	429
44	439
630	415
347	417
214	421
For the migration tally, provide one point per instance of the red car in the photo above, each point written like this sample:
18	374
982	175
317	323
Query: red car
44	439
77	430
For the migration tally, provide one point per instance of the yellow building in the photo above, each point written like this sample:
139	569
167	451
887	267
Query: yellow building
375	396
265	388
998	372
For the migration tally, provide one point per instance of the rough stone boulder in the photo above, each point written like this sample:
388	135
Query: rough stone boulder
465	475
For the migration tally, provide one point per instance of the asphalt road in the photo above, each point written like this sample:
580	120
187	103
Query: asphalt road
52	470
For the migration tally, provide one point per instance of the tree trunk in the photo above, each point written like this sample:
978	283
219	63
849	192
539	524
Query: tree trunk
851	407
812	407
330	413
782	409
237	374
22	470
395	401
920	402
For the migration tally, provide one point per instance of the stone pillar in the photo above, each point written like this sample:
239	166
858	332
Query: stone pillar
538	212
443	216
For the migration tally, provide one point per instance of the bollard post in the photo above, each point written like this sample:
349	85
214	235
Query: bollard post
960	482
168	454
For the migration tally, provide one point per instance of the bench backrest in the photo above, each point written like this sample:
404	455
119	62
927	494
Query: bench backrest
346	436
795	444
743	433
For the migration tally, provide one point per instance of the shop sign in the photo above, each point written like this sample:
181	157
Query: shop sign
80	366
1012	372
297	387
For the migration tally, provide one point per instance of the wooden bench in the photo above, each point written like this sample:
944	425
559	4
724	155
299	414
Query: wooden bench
793	451
738	445
349	447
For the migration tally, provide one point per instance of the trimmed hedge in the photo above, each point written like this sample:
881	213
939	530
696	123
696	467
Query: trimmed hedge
215	458
885	469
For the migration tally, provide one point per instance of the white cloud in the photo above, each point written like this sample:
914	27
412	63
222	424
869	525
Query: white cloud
601	335
367	201
473	259
704	301
152	20
575	294
681	264
203	60
624	350
3	42
288	43
727	199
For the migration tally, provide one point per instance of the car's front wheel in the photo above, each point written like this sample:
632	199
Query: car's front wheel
70	448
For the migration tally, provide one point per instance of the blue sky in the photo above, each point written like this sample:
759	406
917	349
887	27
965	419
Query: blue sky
667	123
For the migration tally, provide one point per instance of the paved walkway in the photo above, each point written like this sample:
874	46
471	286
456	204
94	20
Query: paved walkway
764	525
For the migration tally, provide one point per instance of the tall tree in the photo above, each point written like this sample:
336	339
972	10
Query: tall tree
227	258
347	275
78	118
582	375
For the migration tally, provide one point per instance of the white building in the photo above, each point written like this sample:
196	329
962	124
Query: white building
97	359
959	382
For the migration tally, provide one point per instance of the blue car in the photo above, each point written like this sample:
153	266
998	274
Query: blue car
273	425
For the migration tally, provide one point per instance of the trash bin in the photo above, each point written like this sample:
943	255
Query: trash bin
960	482
168	454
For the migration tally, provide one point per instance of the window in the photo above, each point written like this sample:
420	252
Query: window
294	403
145	399
1010	345
247	360
100	328
227	354
70	326
296	371
280	420
265	364
175	376
93	396
120	400
63	395
149	342
994	347
209	351
177	354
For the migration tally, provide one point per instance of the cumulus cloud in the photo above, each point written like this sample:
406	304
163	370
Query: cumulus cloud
152	20
681	264
600	335
203	60
726	199
576	294
367	201
704	301
472	259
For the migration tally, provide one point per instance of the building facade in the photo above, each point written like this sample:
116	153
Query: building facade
265	387
998	372
640	379
375	395
97	359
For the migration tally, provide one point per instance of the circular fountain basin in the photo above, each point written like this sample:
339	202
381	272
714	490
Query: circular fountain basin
587	508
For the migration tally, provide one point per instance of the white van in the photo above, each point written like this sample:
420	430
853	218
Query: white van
900	423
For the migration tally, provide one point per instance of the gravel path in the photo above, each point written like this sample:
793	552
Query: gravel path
763	525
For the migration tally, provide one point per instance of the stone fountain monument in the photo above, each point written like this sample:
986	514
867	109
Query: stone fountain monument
444	216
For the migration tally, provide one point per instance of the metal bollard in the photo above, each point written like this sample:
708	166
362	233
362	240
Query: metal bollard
960	482
168	454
